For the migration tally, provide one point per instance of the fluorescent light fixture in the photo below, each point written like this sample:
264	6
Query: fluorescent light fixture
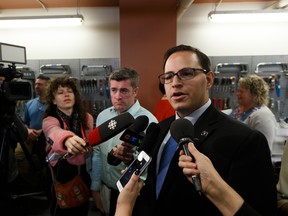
280	15
40	21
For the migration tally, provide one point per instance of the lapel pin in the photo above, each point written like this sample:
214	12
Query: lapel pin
204	133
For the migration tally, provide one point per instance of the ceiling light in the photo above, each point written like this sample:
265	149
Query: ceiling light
40	21
249	16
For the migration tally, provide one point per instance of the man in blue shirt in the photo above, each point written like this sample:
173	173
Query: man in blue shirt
123	90
34	109
35	142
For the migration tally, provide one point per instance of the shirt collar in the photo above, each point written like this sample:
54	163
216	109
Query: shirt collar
132	110
193	117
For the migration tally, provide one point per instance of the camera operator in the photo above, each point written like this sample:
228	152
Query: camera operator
2	79
12	131
7	120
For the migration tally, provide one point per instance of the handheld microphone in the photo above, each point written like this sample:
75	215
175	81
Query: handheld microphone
182	130
132	135
151	136
110	128
101	133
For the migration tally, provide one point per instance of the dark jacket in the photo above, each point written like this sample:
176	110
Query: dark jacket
241	156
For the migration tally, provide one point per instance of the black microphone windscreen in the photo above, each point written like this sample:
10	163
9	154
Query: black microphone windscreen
182	128
134	133
151	136
140	123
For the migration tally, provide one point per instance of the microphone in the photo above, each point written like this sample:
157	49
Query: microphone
132	135
101	133
110	128
144	156
151	136
182	130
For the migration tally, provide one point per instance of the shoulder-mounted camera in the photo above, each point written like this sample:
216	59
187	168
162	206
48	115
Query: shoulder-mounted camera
13	88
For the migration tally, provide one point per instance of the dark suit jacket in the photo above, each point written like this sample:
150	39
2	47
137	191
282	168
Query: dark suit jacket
241	156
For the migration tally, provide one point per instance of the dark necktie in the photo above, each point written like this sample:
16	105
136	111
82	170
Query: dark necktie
166	157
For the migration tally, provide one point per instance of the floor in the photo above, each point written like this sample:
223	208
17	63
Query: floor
39	206
27	196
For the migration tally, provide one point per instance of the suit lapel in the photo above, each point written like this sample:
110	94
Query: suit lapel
204	127
206	124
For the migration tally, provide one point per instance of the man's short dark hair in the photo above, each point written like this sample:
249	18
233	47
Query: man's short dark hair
202	57
162	88
43	77
124	74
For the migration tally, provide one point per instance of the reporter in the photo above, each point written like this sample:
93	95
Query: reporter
128	196
66	125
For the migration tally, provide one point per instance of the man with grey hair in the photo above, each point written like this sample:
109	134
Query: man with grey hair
124	86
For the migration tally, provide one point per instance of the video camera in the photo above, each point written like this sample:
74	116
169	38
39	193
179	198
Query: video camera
13	89
12	130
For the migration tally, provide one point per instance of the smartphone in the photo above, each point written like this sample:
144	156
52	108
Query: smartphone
140	163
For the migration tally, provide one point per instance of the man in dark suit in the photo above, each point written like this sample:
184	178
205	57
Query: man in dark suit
239	154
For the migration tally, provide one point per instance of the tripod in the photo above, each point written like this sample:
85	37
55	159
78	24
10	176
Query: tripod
16	192
8	168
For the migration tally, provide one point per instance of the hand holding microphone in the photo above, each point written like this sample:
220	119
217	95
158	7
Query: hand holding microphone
131	137
121	152
75	145
213	185
100	134
182	130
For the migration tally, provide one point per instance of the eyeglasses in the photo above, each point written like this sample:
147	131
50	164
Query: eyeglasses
183	74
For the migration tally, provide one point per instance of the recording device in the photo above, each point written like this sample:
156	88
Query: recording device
182	130
110	128
12	89
140	163
102	133
133	135
145	148
12	129
17	90
152	133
